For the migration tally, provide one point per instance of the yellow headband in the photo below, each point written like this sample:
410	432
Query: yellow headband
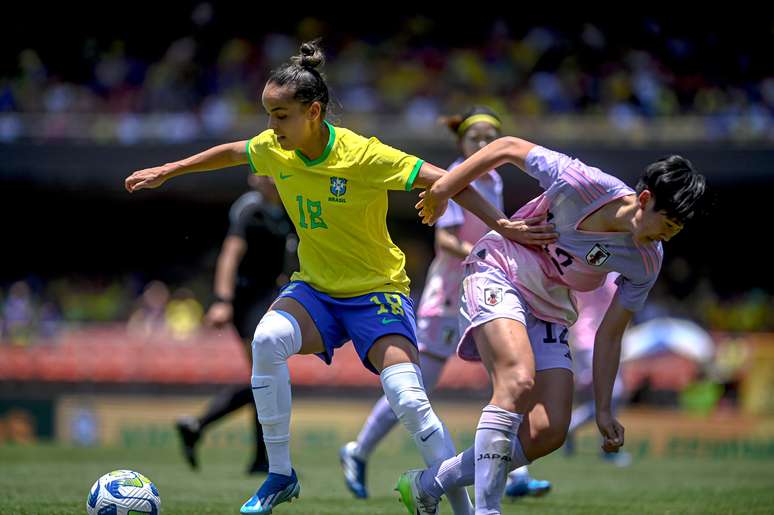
477	118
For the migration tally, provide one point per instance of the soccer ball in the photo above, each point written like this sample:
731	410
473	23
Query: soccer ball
123	492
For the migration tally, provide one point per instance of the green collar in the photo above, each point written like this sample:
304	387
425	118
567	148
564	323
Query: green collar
326	152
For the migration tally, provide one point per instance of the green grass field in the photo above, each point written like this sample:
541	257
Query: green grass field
54	479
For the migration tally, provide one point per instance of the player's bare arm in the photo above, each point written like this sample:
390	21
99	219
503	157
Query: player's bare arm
607	355
221	156
531	231
499	152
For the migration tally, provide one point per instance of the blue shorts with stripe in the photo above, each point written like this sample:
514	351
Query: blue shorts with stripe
363	319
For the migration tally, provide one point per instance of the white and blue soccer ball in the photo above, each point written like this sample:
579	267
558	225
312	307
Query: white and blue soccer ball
123	492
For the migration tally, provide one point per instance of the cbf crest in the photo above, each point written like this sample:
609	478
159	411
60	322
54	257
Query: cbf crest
338	189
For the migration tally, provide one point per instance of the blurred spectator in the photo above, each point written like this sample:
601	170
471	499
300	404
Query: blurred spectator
27	316
18	314
183	314
204	82
93	299
149	316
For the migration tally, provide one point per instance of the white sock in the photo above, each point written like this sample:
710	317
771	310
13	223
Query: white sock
519	473
406	394
460	470
382	419
276	338
380	422
581	415
495	434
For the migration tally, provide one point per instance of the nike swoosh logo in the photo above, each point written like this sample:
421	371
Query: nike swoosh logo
386	321
428	436
283	177
260	387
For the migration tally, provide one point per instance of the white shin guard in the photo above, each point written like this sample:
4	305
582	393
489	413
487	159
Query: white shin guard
276	338
406	394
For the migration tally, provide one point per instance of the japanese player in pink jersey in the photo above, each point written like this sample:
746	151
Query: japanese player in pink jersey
518	301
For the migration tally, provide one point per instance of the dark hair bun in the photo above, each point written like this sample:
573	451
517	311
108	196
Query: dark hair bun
310	56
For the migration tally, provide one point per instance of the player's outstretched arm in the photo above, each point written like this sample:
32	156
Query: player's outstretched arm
221	156
532	231
499	152
607	355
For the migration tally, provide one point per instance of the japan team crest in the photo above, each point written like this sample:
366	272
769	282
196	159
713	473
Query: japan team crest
597	255
493	296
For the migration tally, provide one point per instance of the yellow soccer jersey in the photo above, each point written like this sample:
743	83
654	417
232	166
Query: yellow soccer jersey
338	204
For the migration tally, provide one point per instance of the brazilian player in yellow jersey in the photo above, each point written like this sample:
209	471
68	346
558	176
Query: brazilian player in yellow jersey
352	284
339	203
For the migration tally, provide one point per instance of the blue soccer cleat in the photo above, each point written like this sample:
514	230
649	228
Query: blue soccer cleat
276	489
619	459
523	485
354	470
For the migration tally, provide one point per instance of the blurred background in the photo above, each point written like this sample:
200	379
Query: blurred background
102	293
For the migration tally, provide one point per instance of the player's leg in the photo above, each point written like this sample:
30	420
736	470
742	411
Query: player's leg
540	432
354	455
382	419
251	308
548	404
287	329
383	330
505	351
247	309
191	429
436	339
545	429
396	357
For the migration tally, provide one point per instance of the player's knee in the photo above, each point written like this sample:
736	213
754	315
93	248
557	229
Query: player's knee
410	402
276	338
550	438
413	410
407	397
263	347
524	381
515	383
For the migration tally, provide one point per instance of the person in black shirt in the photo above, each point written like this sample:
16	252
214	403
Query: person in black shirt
255	259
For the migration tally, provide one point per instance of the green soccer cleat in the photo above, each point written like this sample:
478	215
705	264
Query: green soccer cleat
412	497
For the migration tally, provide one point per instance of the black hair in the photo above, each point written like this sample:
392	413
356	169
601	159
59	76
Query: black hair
454	122
676	186
301	74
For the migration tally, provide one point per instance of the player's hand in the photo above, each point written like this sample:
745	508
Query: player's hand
431	205
146	179
219	315
530	231
612	432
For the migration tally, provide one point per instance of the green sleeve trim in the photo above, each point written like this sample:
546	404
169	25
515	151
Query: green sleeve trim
414	173
249	161
326	152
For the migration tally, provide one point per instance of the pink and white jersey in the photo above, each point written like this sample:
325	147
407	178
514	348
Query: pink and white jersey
580	260
592	306
441	296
